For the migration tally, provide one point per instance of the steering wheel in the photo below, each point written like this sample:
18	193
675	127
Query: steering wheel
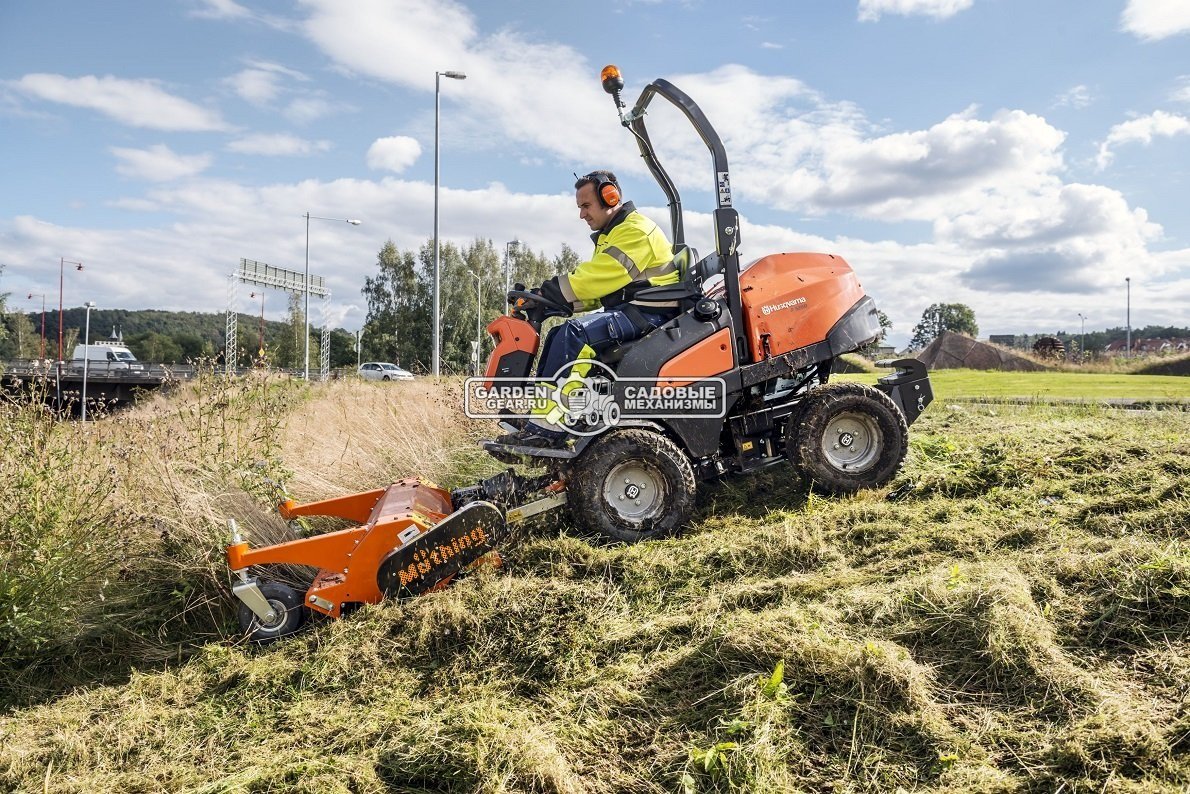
551	308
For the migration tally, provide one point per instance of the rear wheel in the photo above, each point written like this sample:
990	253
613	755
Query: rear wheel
288	610
846	437
632	485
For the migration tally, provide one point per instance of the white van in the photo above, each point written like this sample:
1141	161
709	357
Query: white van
103	356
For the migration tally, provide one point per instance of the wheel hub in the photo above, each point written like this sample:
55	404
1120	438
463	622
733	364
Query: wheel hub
852	441
635	490
278	615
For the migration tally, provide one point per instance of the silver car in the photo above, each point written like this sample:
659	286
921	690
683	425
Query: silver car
376	370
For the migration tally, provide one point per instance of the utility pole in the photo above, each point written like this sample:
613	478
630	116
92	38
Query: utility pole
1128	316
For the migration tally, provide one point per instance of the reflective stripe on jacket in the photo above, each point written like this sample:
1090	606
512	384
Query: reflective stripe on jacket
631	248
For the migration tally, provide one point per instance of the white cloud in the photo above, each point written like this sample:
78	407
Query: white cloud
1156	19
260	83
393	154
1141	130
523	89
992	188
771	45
1182	92
159	163
220	9
277	145
1069	239
954	165
1078	97
305	109
871	10
183	265
138	103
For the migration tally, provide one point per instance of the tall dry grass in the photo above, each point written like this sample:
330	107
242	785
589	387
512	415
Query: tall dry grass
113	550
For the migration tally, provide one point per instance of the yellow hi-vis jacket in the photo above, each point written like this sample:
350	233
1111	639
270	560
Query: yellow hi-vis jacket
630	248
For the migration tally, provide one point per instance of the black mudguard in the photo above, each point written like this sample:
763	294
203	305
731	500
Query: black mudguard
909	387
442	551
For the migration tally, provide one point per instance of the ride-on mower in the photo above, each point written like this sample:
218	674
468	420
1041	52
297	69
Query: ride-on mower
756	344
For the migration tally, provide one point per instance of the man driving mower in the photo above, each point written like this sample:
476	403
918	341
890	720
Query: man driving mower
631	254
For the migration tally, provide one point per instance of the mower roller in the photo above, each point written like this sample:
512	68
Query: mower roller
762	338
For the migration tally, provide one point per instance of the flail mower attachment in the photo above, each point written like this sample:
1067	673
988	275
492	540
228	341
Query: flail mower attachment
412	538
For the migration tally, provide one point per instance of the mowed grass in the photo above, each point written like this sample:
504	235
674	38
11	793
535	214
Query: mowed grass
1017	619
956	384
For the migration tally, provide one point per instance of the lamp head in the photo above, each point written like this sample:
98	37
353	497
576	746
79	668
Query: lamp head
613	81
90	304
454	75
354	222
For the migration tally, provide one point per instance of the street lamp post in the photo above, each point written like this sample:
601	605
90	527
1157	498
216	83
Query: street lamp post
306	345
61	270
478	318
359	336
437	341
509	248
33	295
1082	321
1128	317
86	354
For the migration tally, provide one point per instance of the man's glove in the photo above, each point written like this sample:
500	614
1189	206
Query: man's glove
551	291
517	287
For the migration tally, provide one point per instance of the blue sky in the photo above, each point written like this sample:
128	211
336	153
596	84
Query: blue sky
1020	157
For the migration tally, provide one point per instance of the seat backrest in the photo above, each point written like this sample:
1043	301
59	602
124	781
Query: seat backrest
685	257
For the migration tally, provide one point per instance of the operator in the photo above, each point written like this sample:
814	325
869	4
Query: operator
631	254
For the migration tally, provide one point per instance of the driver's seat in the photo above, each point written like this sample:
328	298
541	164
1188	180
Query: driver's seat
686	291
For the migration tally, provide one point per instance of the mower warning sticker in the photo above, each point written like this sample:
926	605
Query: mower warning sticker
724	189
589	403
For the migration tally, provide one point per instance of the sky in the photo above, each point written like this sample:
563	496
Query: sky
1023	158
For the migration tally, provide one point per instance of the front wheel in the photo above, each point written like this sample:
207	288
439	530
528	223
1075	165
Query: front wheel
632	485
288	610
846	437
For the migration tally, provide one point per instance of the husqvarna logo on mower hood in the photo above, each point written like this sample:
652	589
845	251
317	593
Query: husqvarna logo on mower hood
776	307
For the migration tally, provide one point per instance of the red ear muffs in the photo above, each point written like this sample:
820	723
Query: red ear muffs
609	194
607	190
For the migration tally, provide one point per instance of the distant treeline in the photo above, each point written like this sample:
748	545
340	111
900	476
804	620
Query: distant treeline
397	327
1097	341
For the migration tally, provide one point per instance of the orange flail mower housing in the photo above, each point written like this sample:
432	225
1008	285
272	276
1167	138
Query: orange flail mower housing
391	519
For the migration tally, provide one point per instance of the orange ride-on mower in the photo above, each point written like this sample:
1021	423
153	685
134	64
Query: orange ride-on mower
754	345
759	339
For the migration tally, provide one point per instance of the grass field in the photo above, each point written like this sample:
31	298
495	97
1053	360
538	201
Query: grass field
1018	620
955	384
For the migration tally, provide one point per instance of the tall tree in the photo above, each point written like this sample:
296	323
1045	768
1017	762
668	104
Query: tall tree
939	317
287	354
3	311
397	327
23	339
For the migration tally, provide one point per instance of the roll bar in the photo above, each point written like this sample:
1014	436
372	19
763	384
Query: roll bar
726	219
